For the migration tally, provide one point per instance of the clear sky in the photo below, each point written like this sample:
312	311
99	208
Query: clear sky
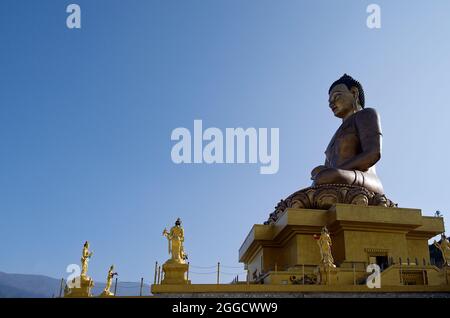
86	117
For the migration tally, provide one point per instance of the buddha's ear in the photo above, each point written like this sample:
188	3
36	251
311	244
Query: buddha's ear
355	92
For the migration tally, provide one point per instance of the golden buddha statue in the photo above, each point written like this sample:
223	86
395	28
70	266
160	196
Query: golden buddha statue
85	256
444	247
175	239
324	242
81	286
109	279
176	267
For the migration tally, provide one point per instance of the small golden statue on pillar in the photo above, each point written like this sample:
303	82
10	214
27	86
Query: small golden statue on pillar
175	239
444	247
327	266
107	291
85	256
175	268
81	286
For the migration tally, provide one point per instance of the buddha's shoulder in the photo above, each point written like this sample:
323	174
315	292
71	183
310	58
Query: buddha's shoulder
368	114
368	121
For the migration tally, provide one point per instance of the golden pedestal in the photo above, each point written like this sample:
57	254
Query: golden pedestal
174	273
326	275
396	239
81	288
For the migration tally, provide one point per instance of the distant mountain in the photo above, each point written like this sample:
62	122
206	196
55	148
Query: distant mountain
40	286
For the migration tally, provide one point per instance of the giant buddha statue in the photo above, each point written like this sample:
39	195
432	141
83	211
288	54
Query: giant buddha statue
356	146
348	174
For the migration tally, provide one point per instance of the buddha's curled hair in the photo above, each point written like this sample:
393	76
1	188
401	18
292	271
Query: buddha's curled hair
350	82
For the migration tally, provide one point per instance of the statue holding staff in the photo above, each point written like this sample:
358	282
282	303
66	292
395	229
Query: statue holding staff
109	279
444	247
175	239
85	256
324	242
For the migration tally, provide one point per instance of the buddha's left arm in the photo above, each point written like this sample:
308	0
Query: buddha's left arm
369	130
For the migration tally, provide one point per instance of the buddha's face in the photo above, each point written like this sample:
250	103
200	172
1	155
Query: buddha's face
342	100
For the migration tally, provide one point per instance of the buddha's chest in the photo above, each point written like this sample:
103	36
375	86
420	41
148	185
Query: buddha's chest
344	145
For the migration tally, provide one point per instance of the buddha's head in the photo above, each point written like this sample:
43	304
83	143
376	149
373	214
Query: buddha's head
86	244
345	96
178	222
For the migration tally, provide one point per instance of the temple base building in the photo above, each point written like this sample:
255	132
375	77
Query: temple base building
283	258
395	239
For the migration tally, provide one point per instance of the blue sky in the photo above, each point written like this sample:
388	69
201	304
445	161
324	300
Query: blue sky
86	117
